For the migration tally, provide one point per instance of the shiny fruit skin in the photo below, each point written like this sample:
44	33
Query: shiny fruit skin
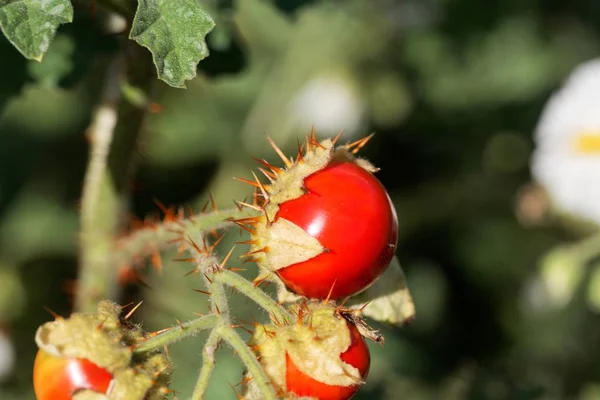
57	378
349	212
357	355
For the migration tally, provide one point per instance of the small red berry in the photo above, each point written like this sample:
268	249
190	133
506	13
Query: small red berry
328	227
357	355
58	378
349	212
91	353
322	356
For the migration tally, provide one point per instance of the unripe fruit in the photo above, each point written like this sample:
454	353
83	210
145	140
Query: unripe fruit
328	228
322	356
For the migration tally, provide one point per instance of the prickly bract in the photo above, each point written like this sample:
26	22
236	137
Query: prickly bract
327	225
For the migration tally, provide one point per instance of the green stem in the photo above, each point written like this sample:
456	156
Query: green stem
218	298
242	285
207	265
208	365
215	276
178	333
143	242
114	134
213	272
98	198
249	359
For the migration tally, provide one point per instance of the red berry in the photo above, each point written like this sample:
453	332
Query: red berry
322	355
349	212
328	227
357	355
58	378
92	353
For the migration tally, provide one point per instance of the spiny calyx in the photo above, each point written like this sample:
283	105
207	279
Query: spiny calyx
101	342
326	224
322	352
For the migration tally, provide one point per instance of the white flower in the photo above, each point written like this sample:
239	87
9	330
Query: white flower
329	103
566	160
115	23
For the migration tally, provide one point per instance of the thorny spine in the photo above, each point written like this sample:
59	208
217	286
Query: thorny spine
215	275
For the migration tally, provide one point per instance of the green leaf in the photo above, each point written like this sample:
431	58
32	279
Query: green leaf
30	25
174	32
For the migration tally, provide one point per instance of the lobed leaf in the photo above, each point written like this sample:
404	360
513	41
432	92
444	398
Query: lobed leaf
174	32
30	25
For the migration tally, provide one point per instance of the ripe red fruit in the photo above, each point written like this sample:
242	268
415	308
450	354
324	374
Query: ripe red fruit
328	226
58	378
91	353
349	212
323	355
357	355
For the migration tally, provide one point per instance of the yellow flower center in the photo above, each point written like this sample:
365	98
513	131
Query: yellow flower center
587	143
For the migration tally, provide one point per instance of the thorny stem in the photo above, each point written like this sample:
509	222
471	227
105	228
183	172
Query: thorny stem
208	265
178	333
249	359
242	285
143	242
215	276
208	364
211	270
218	299
113	137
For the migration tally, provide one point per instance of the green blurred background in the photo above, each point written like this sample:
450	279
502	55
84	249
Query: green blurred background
453	90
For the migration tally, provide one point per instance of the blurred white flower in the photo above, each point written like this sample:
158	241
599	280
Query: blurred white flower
330	104
566	161
115	23
7	355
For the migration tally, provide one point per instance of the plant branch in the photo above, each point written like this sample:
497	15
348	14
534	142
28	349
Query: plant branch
207	265
242	285
249	359
114	133
213	272
208	365
143	242
97	198
177	333
218	299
